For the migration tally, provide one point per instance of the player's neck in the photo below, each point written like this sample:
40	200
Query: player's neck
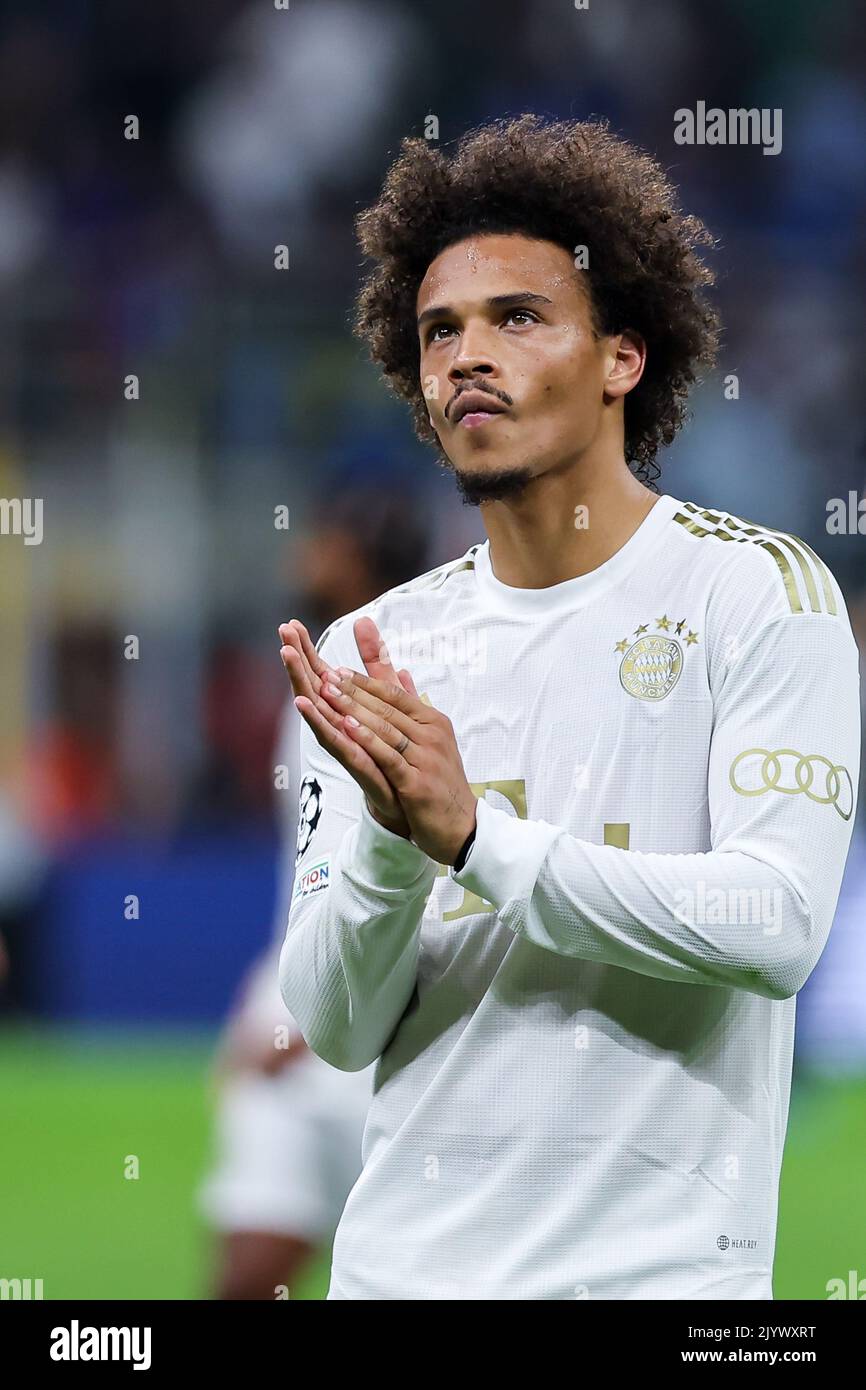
561	528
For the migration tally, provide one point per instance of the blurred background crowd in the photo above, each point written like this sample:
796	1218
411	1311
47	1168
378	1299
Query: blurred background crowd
153	258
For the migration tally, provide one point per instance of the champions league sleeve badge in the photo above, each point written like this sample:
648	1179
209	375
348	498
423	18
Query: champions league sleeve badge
309	813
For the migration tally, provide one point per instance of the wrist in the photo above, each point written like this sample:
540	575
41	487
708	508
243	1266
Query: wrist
463	852
397	827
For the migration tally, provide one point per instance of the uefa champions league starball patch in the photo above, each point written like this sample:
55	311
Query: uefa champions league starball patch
309	813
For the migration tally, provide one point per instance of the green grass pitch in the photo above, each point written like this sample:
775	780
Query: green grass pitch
75	1105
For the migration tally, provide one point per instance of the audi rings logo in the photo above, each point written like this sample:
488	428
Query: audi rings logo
757	770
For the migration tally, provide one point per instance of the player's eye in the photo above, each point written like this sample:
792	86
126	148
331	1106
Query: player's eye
512	314
533	318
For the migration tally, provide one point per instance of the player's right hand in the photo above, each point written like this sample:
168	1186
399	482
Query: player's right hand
307	672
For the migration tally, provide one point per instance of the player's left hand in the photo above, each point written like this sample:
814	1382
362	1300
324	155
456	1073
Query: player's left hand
414	745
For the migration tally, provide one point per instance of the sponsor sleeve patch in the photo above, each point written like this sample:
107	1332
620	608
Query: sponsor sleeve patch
313	879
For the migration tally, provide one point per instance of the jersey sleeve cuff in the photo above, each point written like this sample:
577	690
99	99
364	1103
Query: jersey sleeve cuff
386	860
506	855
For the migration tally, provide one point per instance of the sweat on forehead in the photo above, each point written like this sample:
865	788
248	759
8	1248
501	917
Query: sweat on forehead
499	251
530	266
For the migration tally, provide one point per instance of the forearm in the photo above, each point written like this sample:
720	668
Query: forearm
349	961
722	917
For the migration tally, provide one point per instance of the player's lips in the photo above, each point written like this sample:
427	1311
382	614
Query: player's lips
475	408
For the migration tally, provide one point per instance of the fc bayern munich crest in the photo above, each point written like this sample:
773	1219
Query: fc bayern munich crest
653	663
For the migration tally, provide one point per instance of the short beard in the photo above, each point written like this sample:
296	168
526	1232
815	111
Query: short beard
477	486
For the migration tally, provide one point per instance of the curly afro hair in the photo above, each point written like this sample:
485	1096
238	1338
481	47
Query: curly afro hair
572	183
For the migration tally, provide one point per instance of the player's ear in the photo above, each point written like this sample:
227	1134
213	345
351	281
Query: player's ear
626	360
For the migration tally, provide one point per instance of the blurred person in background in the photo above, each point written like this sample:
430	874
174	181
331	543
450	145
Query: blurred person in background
22	868
73	777
288	1125
63	786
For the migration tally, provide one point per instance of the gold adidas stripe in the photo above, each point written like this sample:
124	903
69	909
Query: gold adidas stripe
779	556
824	573
436	579
779	544
787	575
752	528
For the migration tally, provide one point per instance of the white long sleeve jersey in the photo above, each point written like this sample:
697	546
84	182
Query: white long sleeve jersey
584	1038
